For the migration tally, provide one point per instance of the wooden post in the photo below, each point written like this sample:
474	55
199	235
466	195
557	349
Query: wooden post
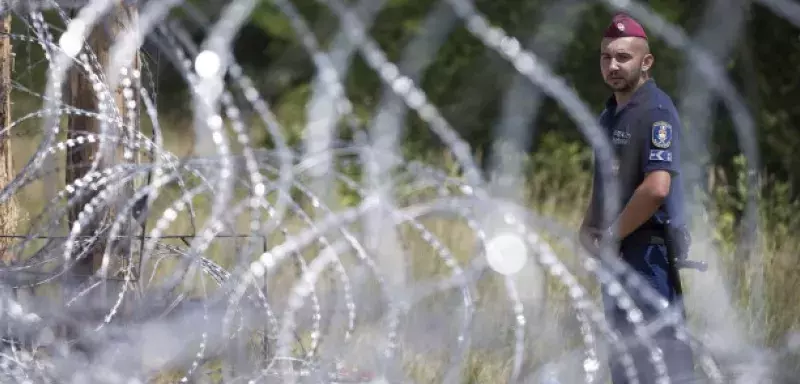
9	210
79	160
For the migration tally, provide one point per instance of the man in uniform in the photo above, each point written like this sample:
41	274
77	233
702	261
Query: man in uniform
644	129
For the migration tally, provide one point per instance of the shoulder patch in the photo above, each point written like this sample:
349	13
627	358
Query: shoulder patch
662	134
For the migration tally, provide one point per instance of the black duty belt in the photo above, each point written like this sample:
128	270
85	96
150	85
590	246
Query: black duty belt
701	266
645	237
657	237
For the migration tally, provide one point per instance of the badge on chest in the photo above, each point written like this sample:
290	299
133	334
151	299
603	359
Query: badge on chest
620	137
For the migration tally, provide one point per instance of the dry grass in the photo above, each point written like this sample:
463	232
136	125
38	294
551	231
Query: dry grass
551	329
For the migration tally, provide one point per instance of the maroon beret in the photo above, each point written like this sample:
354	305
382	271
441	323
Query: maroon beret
623	25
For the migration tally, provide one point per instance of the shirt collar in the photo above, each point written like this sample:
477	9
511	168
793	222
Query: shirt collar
639	95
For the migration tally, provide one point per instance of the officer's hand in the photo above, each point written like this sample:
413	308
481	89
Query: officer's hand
590	240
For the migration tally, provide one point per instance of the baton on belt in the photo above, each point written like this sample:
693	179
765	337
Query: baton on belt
675	264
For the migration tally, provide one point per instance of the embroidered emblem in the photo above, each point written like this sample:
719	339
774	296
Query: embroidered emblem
662	134
621	26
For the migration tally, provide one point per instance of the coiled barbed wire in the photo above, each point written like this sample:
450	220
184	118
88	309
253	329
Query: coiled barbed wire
263	317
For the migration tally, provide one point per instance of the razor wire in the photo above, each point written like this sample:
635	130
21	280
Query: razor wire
295	307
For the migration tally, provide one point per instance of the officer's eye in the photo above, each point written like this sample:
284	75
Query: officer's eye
623	57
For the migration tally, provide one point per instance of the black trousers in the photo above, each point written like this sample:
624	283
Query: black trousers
650	262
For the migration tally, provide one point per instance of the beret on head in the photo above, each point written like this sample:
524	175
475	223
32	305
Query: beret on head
623	25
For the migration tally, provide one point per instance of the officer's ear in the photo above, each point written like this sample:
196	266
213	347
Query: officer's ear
647	62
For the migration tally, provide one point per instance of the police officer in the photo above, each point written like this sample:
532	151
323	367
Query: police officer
644	129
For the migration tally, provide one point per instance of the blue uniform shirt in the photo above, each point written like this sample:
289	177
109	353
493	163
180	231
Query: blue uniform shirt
645	134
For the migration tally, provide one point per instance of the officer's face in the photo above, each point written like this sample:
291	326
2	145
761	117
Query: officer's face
623	62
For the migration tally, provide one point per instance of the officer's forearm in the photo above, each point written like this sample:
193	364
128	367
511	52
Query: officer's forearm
642	206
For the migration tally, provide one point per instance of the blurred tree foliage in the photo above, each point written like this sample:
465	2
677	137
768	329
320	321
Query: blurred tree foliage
467	81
